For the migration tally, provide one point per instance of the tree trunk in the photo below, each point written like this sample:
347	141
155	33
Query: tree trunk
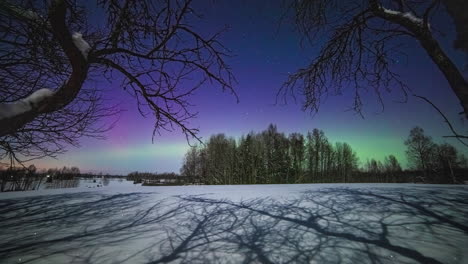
67	93
456	80
423	34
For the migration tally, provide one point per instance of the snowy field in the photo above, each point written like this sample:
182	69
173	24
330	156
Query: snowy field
310	223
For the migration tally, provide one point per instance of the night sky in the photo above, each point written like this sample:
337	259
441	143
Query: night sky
265	52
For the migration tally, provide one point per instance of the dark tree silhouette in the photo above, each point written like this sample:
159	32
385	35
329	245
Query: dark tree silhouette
363	43
51	51
437	162
457	10
391	165
270	157
419	149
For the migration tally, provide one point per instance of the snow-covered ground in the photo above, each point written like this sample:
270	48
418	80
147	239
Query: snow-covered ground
309	223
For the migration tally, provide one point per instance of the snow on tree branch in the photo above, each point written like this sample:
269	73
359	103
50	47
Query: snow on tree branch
81	44
38	96
163	59
8	110
407	15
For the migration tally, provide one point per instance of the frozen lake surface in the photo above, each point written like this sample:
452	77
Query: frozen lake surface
308	223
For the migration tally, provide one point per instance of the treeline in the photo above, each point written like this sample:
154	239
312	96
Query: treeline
137	176
20	179
63	178
271	157
156	179
437	163
29	178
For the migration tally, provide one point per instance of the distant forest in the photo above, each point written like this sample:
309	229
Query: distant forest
271	157
30	178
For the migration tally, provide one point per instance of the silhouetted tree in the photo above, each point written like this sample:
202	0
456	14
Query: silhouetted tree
250	159
446	158
439	163
419	150
277	162
190	163
75	171
296	148
373	166
392	168
346	161
220	160
363	44
270	157
463	161
391	164
51	52
457	10
317	151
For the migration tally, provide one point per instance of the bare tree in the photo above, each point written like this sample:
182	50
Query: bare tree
420	149
51	51
391	164
189	165
364	44
447	158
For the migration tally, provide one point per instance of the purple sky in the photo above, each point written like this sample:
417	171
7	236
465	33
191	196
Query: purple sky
265	52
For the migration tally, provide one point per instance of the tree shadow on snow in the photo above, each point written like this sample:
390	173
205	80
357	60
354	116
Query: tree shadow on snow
339	225
350	226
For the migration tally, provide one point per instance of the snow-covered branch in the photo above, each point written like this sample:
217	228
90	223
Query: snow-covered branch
151	43
81	44
10	110
403	15
15	115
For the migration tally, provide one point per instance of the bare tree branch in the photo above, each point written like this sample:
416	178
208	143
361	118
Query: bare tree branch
51	56
363	47
455	134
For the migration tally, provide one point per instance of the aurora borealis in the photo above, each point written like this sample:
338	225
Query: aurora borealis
266	50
